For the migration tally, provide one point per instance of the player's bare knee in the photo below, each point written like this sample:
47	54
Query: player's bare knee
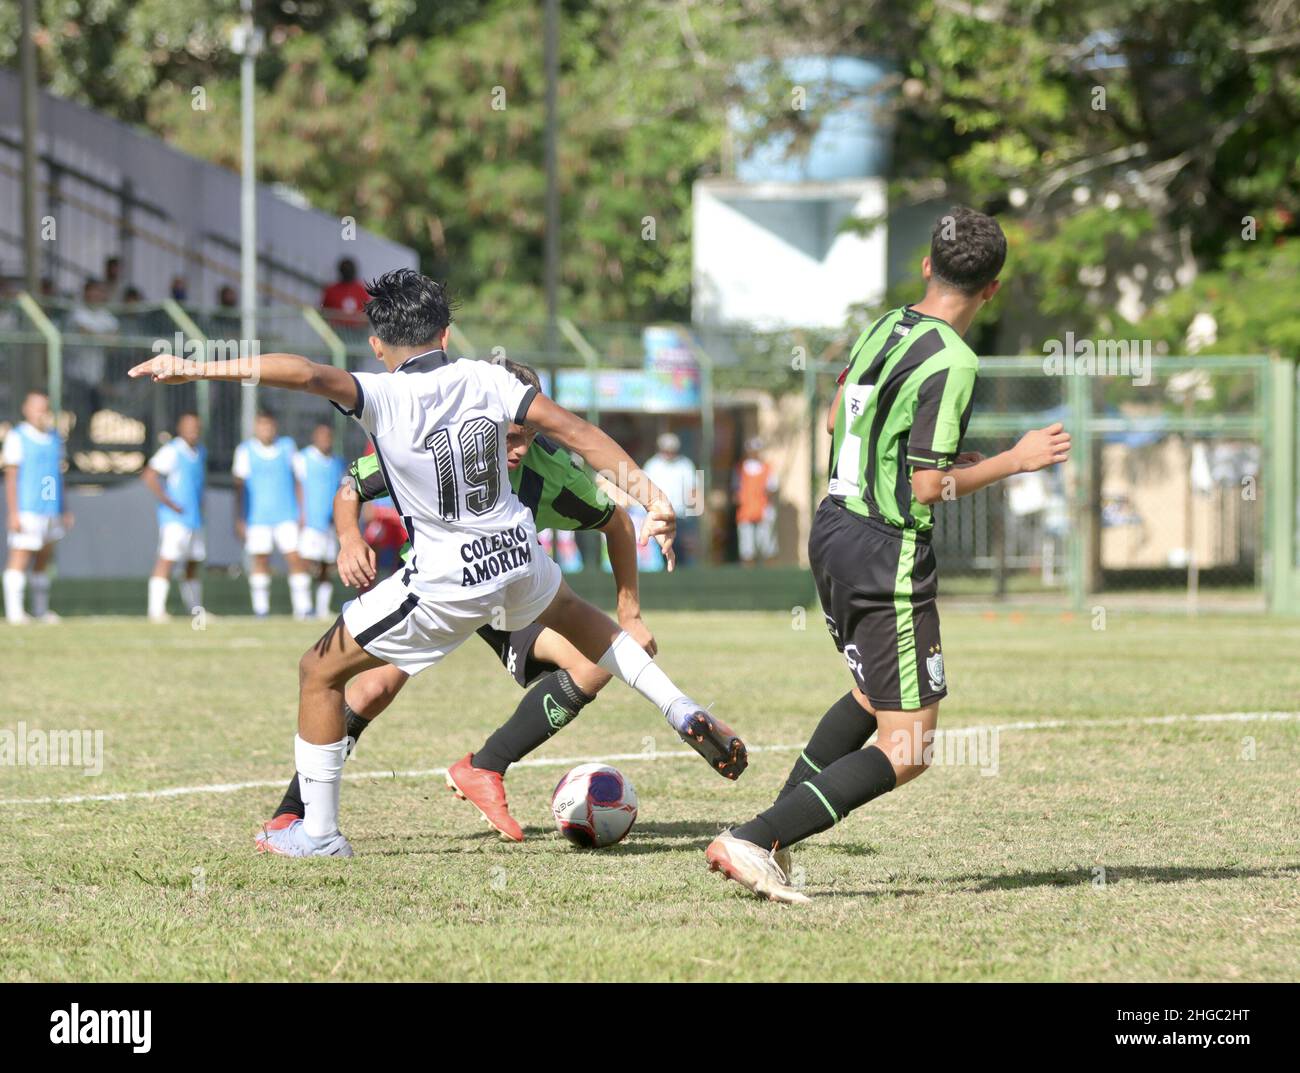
590	678
307	666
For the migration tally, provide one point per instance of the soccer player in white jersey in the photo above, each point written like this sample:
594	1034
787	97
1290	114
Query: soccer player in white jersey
268	513
319	471
176	475
439	428
33	464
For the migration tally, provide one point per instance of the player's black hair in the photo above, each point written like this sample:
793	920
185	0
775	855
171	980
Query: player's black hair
347	270
525	373
183	415
408	309
967	249
268	415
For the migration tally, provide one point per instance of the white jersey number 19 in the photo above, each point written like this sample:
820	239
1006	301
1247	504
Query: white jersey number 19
475	467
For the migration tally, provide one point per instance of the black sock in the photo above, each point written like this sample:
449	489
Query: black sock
844	729
292	800
823	800
552	702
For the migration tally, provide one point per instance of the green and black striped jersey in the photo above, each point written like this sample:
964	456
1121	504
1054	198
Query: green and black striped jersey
905	406
549	482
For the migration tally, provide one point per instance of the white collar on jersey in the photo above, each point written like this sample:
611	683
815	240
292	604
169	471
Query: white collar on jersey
423	363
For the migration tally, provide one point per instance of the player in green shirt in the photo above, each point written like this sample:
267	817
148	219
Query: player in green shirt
561	495
897	424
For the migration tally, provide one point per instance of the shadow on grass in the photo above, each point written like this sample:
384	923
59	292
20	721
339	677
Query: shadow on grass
653	837
1074	877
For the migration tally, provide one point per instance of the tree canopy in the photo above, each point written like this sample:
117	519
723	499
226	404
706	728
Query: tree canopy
1136	151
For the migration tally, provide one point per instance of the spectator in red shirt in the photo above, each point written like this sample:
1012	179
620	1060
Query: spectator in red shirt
347	298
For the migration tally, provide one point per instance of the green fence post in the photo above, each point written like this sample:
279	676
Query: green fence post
202	388
338	356
1079	401
705	360
53	349
1281	490
815	488
590	358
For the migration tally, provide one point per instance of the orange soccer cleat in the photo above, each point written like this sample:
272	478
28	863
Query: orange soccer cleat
486	791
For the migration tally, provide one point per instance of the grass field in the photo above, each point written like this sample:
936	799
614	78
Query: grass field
1112	847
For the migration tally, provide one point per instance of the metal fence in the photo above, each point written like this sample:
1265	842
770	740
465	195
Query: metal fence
1182	482
1165	493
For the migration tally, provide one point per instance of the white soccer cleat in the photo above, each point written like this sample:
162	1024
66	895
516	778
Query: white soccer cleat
50	618
293	841
159	620
753	868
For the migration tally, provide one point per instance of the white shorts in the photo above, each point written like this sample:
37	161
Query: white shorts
756	537
35	531
318	545
412	632
180	544
263	539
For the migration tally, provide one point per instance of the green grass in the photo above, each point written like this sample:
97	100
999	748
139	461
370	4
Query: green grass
957	876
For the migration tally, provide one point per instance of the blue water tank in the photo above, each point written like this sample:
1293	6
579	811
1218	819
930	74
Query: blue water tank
852	139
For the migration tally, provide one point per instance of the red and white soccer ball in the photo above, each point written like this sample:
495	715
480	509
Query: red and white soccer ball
594	806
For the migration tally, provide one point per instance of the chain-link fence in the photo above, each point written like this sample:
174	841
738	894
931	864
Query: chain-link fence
1163	495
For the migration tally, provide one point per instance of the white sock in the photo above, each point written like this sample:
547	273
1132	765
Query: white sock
324	595
260	587
15	583
319	770
40	594
628	660
158	587
192	593
300	594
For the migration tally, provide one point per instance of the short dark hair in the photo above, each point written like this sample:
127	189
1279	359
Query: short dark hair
967	249
525	373
347	270
408	309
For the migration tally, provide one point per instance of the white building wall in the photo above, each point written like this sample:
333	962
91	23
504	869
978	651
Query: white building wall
772	255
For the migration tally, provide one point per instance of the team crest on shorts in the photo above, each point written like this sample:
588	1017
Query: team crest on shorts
854	661
934	667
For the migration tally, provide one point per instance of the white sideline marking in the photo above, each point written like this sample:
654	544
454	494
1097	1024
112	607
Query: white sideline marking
674	754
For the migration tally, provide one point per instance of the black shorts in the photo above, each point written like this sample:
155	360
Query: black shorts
877	585
514	648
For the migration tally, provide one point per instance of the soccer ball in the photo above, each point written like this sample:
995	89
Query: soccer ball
593	806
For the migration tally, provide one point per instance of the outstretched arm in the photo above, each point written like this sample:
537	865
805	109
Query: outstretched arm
290	371
1036	450
605	456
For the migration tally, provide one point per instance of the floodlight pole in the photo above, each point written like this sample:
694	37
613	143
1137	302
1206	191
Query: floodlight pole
247	42
27	51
